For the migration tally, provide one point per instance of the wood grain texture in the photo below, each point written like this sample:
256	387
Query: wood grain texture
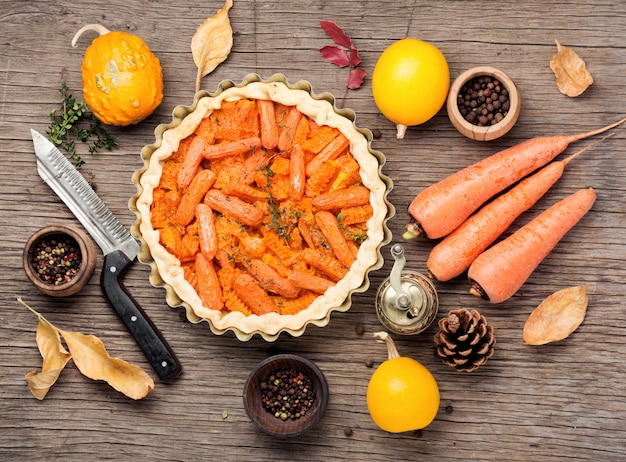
563	401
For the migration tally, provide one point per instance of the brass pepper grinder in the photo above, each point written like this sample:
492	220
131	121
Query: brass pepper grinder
406	302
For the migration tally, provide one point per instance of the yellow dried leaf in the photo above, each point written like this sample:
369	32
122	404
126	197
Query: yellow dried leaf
91	358
54	355
94	362
212	42
572	76
557	316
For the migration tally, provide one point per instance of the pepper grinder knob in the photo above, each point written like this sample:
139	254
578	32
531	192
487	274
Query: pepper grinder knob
406	302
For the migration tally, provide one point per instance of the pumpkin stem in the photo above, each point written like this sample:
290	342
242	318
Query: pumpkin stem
97	27
401	131
392	351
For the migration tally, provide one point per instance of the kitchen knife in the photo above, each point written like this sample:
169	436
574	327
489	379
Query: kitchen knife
119	247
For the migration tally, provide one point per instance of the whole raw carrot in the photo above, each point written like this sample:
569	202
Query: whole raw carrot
443	206
456	252
501	270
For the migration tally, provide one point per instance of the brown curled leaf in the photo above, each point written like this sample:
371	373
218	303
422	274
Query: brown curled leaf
572	76
94	362
91	358
557	316
212	42
54	355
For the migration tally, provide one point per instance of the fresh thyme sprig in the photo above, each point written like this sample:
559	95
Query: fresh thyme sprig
75	121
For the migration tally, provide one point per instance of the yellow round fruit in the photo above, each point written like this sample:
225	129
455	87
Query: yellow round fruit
410	82
402	394
122	78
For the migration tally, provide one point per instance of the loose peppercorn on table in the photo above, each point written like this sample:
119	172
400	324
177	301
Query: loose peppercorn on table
560	401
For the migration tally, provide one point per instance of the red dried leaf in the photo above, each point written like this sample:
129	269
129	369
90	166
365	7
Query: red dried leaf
356	78
335	55
336	33
355	59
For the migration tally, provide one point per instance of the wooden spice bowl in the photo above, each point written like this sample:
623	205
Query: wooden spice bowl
86	255
489	132
267	421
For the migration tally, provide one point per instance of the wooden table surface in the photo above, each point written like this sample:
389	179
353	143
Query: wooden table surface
563	401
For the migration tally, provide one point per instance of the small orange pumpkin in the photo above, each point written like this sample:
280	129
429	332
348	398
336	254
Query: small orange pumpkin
122	78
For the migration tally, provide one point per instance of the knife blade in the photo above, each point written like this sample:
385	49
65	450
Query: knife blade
119	247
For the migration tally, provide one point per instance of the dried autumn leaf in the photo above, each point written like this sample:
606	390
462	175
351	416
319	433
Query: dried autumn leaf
54	355
94	362
212	42
572	76
557	316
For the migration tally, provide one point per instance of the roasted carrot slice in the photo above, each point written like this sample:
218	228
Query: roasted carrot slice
270	280
319	137
269	128
288	131
255	162
209	288
352	215
349	197
336	147
297	173
201	183
320	182
310	281
207	232
234	207
253	295
328	265
327	222
230	148
191	162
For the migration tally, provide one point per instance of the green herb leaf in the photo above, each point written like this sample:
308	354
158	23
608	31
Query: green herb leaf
66	125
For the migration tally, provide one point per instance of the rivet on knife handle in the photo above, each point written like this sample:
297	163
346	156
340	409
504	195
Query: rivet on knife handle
149	339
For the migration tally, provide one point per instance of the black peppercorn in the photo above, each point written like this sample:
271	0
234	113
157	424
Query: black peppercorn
483	101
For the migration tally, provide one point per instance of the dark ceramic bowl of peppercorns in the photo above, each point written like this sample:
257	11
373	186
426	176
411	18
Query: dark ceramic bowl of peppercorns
59	260
285	395
483	103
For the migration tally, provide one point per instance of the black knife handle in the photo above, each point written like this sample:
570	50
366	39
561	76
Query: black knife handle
147	336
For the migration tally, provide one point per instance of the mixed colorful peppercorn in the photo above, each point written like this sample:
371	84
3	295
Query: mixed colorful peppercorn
56	259
287	394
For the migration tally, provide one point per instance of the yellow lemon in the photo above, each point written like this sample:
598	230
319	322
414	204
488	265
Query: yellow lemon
402	394
410	82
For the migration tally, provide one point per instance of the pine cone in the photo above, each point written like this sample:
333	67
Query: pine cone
465	341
